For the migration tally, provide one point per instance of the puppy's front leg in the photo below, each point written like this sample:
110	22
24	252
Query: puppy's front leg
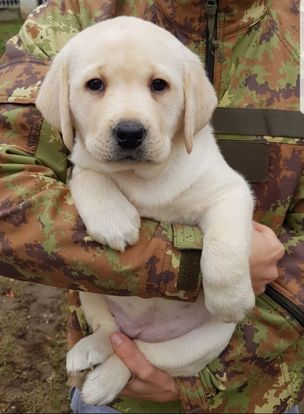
227	227
108	374
108	216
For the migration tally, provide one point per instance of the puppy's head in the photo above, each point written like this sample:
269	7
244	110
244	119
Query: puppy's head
125	88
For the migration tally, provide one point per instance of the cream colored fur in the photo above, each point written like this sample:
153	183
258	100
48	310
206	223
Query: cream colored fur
179	177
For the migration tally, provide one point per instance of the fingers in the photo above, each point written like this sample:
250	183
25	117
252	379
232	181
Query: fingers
259	282
139	389
266	252
280	250
147	381
132	357
275	245
259	227
266	240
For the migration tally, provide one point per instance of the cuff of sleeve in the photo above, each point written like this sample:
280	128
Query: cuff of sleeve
190	241
191	394
184	259
189	276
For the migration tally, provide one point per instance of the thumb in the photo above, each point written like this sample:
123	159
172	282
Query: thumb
259	227
135	360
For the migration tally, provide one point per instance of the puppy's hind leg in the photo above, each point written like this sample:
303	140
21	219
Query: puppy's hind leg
189	353
95	348
106	381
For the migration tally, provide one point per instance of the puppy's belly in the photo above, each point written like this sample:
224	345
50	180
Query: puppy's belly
156	320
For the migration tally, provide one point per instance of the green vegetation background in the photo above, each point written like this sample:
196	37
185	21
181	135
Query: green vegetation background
7	30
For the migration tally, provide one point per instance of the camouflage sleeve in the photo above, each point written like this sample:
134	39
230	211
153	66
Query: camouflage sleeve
292	236
42	238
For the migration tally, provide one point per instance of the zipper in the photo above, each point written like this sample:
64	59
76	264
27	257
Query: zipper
211	12
285	303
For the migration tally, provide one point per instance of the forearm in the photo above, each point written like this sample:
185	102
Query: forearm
291	267
44	240
42	237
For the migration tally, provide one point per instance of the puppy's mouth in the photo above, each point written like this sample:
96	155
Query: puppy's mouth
130	157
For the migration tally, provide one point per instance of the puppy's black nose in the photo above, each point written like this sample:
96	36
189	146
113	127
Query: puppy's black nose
129	134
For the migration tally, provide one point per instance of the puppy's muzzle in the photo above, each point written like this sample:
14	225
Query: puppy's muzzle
129	134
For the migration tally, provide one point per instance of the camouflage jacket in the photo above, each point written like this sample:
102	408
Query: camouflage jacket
252	52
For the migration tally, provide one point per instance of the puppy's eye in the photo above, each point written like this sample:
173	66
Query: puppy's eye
158	85
95	85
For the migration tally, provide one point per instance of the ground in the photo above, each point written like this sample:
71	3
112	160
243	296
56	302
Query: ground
32	348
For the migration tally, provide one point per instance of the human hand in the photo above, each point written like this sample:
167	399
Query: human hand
147	382
266	251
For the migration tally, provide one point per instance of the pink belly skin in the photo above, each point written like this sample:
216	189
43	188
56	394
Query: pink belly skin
156	320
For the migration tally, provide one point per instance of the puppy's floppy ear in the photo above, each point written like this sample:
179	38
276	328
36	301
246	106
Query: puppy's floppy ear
200	100
53	98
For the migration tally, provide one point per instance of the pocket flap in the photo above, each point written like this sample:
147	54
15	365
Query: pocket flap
187	237
249	157
21	79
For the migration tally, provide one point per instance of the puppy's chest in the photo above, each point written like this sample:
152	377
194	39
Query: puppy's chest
165	202
168	214
182	209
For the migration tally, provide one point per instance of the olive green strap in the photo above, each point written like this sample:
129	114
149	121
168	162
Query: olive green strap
211	8
189	270
248	121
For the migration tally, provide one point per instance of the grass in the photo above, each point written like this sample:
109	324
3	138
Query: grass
7	30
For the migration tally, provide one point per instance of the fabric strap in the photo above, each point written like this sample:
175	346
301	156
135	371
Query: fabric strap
248	121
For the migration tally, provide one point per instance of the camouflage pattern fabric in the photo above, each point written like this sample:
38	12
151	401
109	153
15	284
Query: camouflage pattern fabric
256	65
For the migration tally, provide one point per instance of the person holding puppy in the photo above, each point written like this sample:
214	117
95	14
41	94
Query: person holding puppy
257	369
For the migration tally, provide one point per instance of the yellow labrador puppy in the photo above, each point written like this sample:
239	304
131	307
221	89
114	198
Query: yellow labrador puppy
133	105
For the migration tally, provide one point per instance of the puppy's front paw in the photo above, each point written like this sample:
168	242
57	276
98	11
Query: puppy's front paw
88	352
117	229
106	381
228	292
231	305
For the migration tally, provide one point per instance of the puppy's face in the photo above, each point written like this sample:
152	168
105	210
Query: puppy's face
128	89
126	99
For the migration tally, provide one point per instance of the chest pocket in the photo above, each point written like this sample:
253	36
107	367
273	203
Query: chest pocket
20	120
245	137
